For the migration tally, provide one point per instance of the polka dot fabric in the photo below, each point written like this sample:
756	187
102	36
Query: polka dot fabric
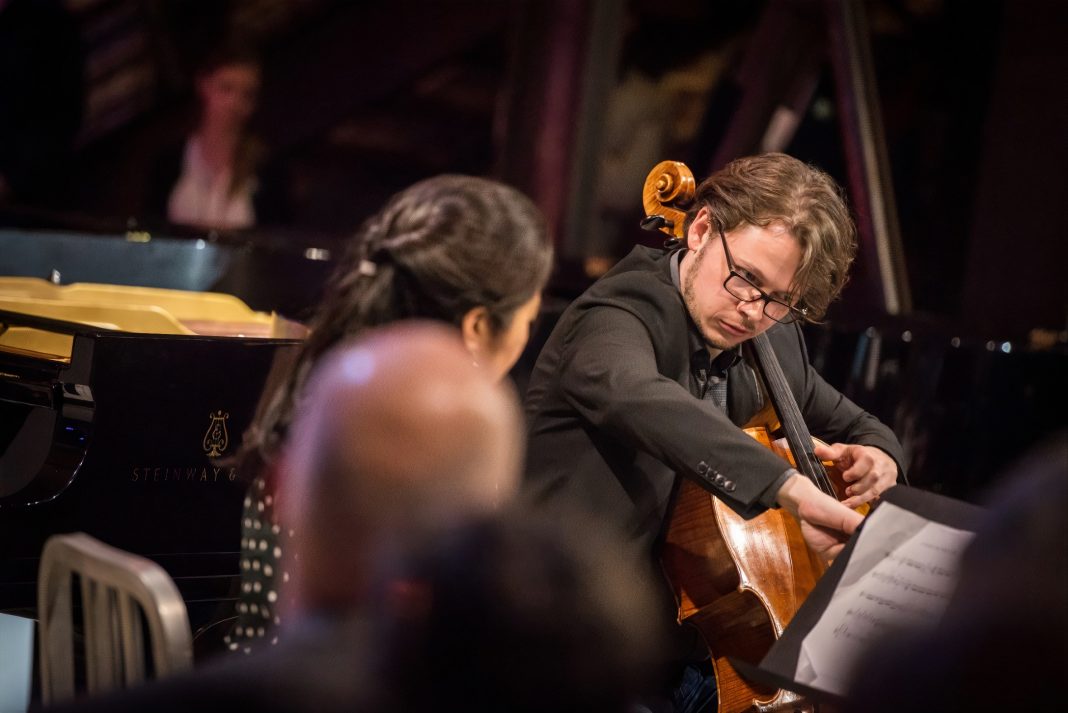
261	554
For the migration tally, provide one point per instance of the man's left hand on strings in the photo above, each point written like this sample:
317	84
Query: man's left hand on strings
867	471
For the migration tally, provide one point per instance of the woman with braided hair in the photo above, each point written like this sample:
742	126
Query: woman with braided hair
465	251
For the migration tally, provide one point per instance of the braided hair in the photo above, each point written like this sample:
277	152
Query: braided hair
436	250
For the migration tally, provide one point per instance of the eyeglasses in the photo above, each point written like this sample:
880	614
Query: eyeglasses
742	289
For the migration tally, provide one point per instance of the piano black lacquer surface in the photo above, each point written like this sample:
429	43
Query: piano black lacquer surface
124	443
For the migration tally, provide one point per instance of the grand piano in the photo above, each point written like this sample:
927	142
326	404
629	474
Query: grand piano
120	403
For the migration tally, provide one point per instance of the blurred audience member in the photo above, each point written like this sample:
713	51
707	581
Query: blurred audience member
396	437
1003	644
42	98
511	614
399	436
464	251
211	180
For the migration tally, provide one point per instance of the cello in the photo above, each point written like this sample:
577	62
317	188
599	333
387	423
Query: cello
739	581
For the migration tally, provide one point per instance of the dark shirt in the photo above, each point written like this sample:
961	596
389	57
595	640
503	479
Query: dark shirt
708	376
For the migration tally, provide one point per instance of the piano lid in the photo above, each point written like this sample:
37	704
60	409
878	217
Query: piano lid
143	310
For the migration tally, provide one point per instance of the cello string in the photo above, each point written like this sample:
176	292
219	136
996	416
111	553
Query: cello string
790	417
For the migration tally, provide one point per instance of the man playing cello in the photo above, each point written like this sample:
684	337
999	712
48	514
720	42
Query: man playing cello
643	379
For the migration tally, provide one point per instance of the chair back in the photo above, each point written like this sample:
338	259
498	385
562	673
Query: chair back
122	596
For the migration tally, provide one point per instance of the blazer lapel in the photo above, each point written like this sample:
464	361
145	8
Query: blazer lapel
745	395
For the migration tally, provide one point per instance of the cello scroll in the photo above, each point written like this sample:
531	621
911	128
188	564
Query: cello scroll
667	194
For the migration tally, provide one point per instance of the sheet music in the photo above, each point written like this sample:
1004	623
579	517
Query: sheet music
900	576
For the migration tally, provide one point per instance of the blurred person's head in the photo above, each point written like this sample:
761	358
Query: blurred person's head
228	85
509	612
399	433
470	253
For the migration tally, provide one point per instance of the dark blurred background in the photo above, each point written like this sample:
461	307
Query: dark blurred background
944	119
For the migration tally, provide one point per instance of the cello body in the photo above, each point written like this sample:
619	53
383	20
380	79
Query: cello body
739	582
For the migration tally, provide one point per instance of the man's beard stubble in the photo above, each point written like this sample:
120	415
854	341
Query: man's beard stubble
690	299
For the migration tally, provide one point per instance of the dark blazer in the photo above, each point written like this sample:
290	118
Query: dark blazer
612	420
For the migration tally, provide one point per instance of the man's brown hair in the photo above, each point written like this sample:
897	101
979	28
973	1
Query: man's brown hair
776	188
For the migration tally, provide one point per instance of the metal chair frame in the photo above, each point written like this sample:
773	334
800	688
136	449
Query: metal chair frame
116	588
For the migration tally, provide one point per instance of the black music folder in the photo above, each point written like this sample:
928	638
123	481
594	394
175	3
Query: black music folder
897	572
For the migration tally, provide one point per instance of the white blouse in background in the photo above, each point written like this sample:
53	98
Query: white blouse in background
204	199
